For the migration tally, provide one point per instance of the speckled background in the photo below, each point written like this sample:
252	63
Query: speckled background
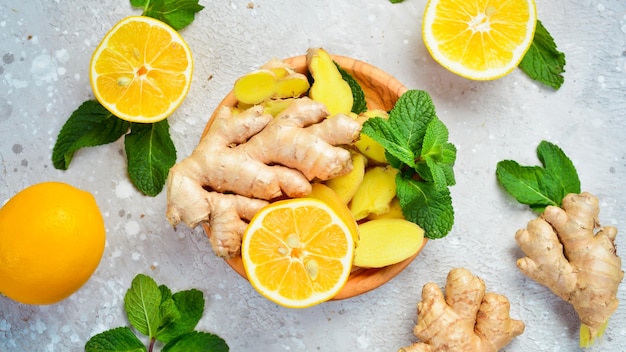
45	47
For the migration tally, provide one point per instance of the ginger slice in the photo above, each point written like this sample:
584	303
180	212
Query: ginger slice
579	265
467	319
248	159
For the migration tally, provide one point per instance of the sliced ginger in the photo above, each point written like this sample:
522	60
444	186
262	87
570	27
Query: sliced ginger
565	254
248	159
274	80
385	242
346	185
328	86
466	320
375	192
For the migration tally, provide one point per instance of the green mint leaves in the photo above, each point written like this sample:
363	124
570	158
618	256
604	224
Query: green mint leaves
89	126
162	316
416	143
149	148
151	153
538	186
543	62
176	13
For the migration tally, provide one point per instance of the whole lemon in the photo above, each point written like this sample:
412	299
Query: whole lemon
52	238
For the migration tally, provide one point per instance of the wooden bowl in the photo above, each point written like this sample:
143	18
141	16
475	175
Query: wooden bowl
381	92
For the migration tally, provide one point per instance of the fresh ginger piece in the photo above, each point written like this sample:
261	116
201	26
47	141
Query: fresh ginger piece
276	106
373	150
346	186
328	86
279	67
255	87
375	193
385	242
395	211
291	86
274	80
253	158
467	319
565	254
328	196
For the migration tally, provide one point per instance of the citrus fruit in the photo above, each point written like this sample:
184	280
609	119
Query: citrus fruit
52	238
141	71
329	196
479	39
297	252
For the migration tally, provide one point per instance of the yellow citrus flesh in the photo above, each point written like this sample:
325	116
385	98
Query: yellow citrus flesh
141	71
479	39
52	238
297	252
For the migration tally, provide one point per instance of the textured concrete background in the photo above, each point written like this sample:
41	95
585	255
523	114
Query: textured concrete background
45	48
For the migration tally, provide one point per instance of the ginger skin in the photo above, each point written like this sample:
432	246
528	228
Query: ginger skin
466	320
565	254
248	159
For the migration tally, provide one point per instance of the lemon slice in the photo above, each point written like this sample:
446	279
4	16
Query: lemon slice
141	71
297	252
479	39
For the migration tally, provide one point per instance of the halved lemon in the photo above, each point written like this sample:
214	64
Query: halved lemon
141	71
297	252
479	39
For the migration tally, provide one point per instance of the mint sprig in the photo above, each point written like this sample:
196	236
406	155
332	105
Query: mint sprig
416	143
540	186
149	147
89	126
176	13
151	153
543	62
165	318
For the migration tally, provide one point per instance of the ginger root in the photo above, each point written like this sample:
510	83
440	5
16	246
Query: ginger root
578	265
328	86
274	80
250	158
467	320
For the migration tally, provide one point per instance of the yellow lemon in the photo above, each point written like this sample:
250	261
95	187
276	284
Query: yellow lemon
141	71
479	39
52	238
298	252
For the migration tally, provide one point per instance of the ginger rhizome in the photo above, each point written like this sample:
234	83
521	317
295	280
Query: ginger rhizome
568	252
275	80
250	158
466	320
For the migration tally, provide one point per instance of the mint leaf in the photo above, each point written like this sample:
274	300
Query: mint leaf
359	104
168	311
416	143
151	153
543	62
383	132
439	155
538	186
119	339
402	134
196	342
90	125
559	166
422	203
190	305
176	13
142	304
